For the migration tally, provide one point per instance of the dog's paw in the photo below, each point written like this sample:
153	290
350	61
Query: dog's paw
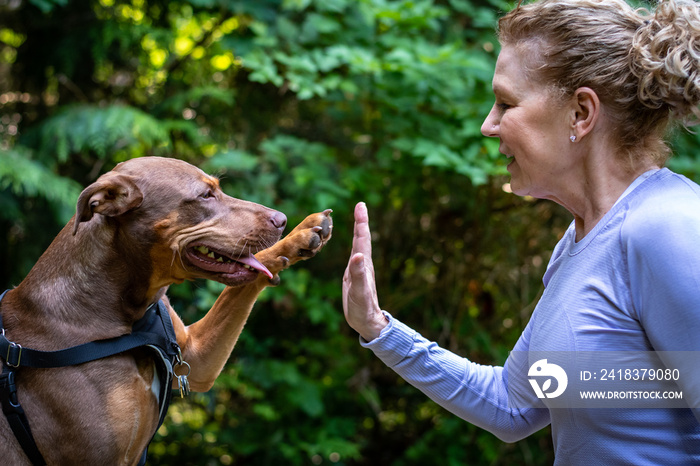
312	234
302	243
309	237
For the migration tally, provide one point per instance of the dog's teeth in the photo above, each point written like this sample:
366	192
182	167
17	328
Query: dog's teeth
205	251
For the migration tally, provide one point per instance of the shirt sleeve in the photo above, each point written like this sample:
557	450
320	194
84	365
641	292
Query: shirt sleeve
476	393
663	254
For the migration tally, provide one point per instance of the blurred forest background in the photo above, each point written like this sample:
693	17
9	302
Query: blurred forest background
300	105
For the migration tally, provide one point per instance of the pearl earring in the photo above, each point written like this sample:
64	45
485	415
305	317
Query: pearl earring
572	138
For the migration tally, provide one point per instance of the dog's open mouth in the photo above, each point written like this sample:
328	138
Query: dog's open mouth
210	260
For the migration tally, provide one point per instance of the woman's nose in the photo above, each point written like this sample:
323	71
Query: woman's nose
490	126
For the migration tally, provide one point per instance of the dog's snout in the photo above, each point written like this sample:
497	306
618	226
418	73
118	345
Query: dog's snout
278	220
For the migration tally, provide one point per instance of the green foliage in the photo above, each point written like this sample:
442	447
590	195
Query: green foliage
24	177
300	105
685	153
413	75
119	132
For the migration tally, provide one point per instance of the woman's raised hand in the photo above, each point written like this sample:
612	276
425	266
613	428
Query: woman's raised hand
360	303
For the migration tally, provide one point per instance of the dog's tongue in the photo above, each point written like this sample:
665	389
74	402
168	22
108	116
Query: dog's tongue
253	262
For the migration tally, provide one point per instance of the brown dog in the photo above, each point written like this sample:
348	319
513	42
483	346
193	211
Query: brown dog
147	224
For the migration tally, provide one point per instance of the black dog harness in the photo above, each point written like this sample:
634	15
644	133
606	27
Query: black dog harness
154	330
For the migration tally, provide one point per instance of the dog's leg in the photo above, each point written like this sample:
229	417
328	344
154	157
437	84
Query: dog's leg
207	344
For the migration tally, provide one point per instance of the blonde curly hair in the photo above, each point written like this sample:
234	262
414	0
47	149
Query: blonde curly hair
644	65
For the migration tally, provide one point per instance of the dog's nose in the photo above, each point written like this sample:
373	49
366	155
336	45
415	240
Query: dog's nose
279	220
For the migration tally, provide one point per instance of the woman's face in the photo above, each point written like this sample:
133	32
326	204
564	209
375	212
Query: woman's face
533	129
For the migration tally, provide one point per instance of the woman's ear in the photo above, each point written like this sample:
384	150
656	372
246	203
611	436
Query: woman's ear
587	111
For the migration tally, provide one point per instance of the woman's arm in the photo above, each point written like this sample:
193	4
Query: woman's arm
476	393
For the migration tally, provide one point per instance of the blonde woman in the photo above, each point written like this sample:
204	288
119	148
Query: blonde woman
585	91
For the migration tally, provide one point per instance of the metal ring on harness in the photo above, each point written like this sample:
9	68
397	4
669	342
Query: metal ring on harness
180	364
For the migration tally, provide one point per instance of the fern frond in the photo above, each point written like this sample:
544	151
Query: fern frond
26	177
103	131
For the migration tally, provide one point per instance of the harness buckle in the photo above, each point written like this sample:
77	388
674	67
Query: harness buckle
14	354
10	403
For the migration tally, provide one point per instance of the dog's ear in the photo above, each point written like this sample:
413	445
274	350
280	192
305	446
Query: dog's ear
112	194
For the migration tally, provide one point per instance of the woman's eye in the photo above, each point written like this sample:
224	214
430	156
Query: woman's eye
503	107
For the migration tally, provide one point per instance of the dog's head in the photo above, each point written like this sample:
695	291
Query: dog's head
182	218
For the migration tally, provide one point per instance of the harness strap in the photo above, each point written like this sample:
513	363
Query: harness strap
17	356
16	418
